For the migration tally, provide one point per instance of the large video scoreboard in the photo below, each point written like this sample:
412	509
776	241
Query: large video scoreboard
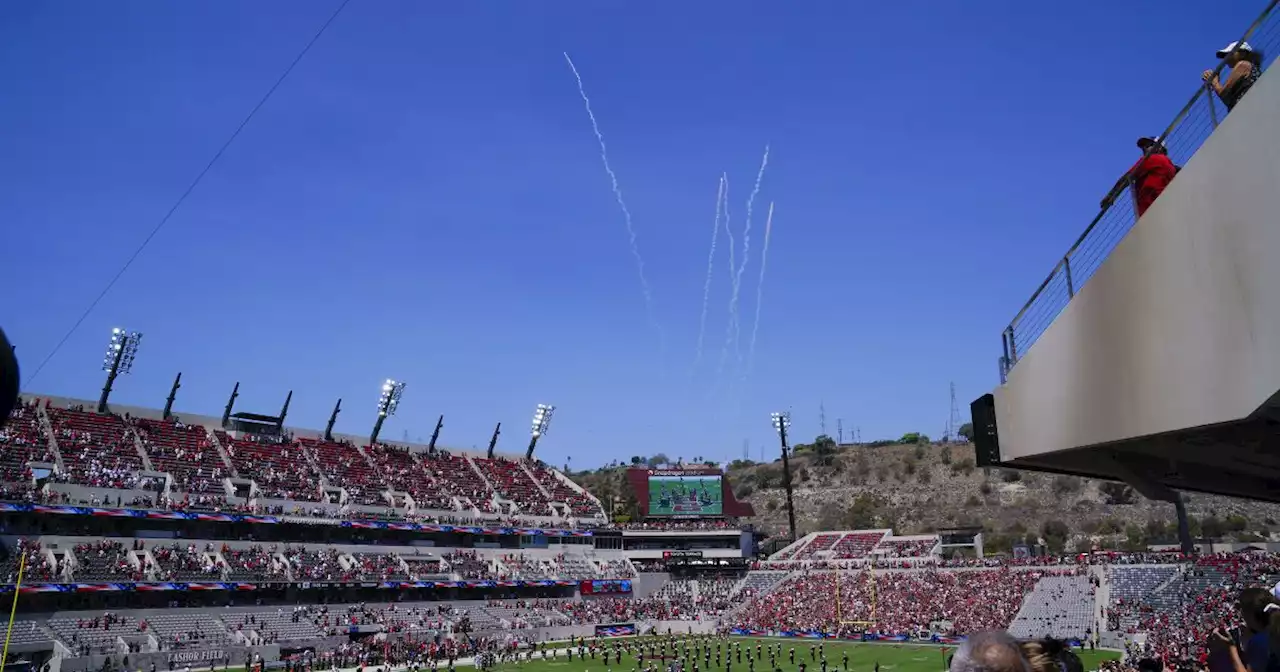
685	494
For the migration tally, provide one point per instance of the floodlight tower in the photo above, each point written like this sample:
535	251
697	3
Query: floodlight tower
541	421
388	400
121	351
781	423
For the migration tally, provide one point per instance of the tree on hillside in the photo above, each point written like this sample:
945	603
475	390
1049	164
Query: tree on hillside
658	460
914	437
1055	533
966	430
823	448
1116	493
863	513
637	459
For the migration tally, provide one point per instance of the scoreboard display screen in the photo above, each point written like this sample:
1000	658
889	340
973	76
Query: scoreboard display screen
686	495
607	587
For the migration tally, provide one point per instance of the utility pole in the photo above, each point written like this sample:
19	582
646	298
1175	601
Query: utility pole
822	418
839	431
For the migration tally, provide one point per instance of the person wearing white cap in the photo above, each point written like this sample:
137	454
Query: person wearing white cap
1244	67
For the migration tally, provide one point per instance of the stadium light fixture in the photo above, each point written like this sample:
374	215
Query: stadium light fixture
782	423
388	402
542	419
541	422
121	351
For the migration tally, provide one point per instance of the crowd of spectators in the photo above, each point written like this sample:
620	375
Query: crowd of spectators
897	602
469	565
22	440
313	565
378	567
280	469
184	452
35	568
107	451
176	562
256	563
106	560
1179	618
98	450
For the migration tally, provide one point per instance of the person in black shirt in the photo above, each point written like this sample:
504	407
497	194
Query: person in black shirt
1243	67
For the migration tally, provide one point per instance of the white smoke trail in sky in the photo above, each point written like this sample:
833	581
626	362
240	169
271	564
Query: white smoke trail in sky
711	260
734	316
764	260
728	231
617	193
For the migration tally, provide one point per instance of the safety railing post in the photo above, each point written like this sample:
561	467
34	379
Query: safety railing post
1071	285
1012	346
1004	369
1208	99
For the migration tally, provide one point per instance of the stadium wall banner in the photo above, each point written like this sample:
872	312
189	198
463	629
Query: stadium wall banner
273	520
385	585
862	636
616	630
606	587
202	656
233	655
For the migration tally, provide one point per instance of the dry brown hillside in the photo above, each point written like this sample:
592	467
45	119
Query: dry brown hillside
922	487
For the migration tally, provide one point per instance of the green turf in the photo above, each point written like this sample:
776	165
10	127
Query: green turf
862	658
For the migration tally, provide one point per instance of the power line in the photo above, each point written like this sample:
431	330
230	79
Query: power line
190	188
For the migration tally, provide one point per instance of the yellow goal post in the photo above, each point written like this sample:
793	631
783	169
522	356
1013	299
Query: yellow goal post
871	593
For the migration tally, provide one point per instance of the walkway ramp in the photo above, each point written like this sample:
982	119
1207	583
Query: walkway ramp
1162	368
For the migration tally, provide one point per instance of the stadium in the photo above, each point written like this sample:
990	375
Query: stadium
141	538
139	535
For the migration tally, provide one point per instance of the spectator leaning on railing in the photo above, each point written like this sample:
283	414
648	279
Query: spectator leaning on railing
1244	67
1147	178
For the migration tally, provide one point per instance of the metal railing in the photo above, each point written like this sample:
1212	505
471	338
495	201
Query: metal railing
1183	137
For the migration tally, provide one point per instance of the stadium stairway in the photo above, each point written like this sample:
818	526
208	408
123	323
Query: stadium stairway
47	426
132	433
648	583
222	452
541	488
754	584
1101	599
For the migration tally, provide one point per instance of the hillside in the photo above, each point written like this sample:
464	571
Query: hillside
918	488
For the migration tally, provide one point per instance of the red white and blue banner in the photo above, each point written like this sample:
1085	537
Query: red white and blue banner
241	586
273	520
616	630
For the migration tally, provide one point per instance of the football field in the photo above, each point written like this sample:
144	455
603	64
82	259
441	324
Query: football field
863	657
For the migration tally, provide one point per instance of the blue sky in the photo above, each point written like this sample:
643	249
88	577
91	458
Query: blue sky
424	199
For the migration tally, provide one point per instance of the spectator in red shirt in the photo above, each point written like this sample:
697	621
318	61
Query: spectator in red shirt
1148	177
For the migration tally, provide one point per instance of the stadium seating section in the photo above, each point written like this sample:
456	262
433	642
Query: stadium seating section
112	452
830	581
857	545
